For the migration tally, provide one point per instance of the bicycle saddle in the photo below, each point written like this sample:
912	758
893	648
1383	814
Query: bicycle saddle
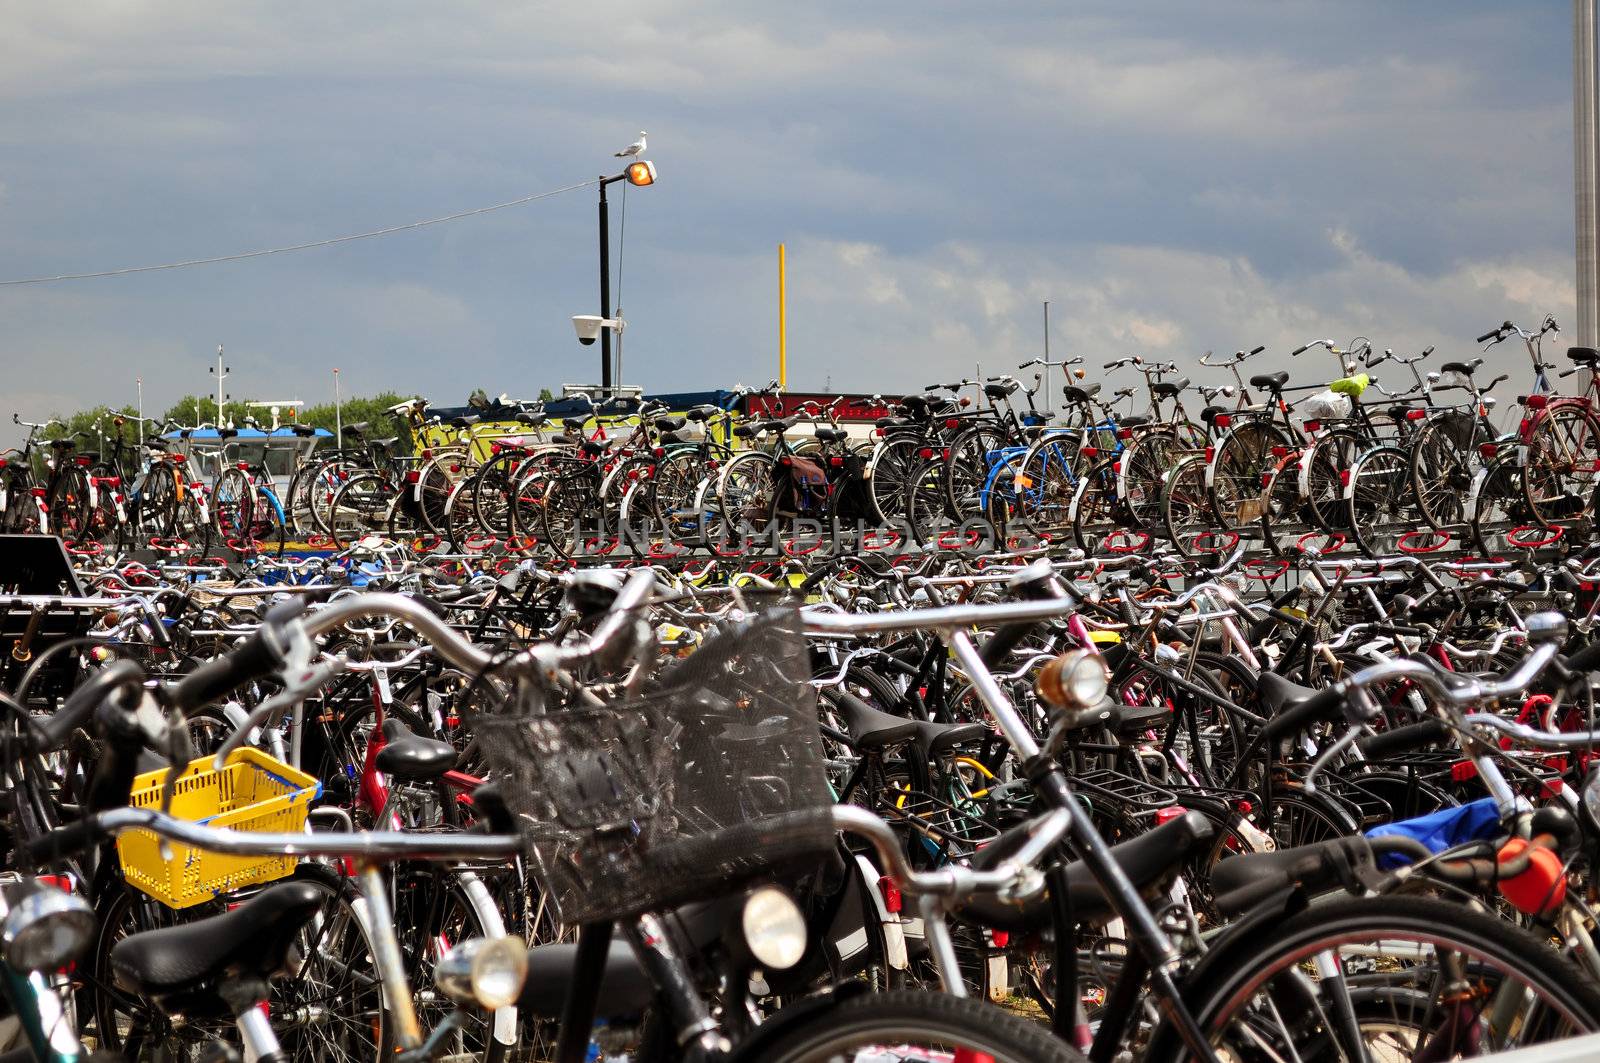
934	739
700	413
407	755
1239	883
157	443
1278	694
466	421
303	430
532	420
871	728
745	431
573	423
227	433
62	444
832	435
670	424
1148	860
1583	355
357	428
895	422
90	456
594	447
1133	420
1001	390
1209	414
1169	389
1270	381
189	960
1466	368
384	444
1074	394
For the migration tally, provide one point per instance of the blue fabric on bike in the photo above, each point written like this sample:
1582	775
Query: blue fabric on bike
1442	829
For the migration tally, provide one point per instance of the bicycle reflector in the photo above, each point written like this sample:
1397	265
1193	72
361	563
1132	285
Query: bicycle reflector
1537	402
1223	420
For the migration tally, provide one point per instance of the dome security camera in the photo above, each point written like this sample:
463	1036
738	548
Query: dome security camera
587	327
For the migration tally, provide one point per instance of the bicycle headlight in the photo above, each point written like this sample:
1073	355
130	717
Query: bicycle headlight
47	930
1074	680
487	972
774	928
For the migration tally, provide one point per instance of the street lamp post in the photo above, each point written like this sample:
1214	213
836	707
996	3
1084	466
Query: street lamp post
640	174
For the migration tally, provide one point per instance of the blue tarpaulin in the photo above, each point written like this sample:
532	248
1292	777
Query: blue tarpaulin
1442	830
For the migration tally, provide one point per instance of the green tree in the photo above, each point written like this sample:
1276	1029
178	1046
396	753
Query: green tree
546	395
374	411
92	426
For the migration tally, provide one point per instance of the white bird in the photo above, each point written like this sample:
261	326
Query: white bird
632	149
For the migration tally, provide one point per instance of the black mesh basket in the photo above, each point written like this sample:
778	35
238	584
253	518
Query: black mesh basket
712	780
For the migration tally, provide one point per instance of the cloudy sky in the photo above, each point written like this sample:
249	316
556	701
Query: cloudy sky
1173	177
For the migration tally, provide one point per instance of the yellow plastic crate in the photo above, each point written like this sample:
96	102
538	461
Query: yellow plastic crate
253	792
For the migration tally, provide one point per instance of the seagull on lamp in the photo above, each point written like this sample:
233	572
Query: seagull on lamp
632	150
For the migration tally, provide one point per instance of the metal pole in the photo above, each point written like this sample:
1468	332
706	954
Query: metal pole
338	415
139	383
1047	354
783	322
221	375
605	293
1583	170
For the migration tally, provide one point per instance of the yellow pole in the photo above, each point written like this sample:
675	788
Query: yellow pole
783	324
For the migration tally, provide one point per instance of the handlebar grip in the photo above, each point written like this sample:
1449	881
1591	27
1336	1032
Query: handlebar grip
1309	711
1258	350
70	840
254	658
1299	351
1403	739
1491	334
1111	365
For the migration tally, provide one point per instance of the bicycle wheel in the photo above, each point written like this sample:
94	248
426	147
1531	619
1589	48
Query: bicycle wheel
68	504
1144	463
964	475
1186	507
1393	977
1046	482
744	497
1496	503
1559	472
360	507
1233	479
1094	506
1321	476
233	505
894	462
1445	456
156	508
1379	502
905	1025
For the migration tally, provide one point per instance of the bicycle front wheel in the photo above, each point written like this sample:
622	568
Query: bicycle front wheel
904	1025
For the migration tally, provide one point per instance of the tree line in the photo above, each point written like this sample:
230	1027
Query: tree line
98	425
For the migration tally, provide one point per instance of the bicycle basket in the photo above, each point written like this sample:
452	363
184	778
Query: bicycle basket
713	779
253	792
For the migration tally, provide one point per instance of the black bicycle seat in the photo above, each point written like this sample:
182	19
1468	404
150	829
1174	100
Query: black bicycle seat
191	958
1583	355
1270	381
1168	389
356	429
872	728
407	755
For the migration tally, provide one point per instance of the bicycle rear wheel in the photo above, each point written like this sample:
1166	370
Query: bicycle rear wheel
1410	977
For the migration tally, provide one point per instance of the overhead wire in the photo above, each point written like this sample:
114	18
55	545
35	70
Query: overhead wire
387	231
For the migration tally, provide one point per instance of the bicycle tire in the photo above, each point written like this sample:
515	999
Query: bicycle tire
903	1017
1220	983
